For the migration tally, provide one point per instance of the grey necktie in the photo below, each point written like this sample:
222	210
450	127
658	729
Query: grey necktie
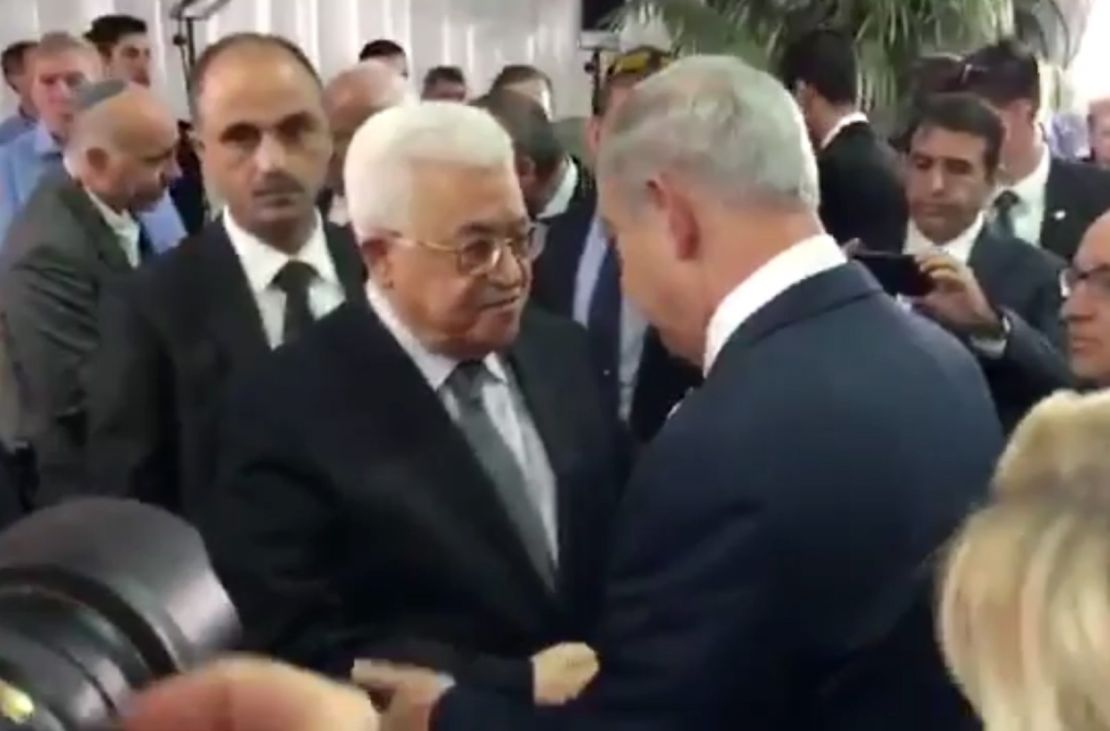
502	467
1004	206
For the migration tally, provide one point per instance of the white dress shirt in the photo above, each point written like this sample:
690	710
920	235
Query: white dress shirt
501	398
123	225
262	262
633	323
338	213
801	261
958	248
564	193
1029	211
845	121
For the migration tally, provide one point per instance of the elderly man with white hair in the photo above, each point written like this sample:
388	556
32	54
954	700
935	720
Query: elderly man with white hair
771	559
351	98
436	472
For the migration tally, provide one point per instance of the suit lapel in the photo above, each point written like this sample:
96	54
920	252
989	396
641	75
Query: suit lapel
441	459
989	258
348	263
232	313
1057	216
530	362
556	270
108	247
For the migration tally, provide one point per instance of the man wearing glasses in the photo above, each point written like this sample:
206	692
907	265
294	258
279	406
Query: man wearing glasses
427	475
1086	285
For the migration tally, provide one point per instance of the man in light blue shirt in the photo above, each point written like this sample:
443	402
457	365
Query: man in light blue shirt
16	61
62	64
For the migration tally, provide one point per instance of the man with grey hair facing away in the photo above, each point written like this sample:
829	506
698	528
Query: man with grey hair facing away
66	250
771	564
351	98
438	470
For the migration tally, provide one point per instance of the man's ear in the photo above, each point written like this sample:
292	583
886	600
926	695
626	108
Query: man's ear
96	158
678	212
375	256
593	136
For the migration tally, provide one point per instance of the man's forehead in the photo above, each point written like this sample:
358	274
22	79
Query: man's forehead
64	62
1095	248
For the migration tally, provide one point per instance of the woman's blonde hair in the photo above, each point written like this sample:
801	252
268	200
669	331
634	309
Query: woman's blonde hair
1025	613
1063	444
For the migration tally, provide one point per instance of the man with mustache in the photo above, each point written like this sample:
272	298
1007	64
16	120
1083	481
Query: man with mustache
255	278
427	476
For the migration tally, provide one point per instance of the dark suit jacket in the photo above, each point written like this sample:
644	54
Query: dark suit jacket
862	196
1076	195
182	328
663	379
58	265
1022	282
773	559
380	535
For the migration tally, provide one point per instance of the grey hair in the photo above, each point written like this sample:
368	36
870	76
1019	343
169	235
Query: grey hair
378	171
719	123
92	95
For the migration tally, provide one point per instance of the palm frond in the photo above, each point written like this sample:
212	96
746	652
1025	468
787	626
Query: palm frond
890	34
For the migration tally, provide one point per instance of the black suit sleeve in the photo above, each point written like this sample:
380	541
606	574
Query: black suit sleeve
687	623
131	419
1033	364
271	527
51	330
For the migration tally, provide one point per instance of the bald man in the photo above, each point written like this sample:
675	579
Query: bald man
66	251
61	66
1086	285
350	99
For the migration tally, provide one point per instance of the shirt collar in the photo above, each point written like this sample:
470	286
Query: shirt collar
846	121
1031	187
45	144
803	260
435	367
262	262
123	224
959	247
560	201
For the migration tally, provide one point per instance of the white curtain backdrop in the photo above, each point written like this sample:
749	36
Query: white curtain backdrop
478	35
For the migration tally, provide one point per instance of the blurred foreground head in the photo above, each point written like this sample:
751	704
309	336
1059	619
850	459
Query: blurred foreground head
1025	613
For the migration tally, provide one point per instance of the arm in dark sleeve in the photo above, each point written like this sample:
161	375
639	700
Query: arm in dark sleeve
131	411
688	633
275	531
51	323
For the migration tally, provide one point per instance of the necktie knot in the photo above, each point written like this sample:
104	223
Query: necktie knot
295	277
1006	201
466	381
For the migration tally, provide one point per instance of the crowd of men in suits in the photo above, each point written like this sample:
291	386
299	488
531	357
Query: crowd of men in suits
440	395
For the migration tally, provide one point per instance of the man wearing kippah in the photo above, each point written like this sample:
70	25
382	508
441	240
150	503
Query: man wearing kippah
67	248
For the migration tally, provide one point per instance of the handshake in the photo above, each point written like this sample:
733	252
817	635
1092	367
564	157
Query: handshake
247	694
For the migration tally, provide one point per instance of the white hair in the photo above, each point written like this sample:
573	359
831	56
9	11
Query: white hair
720	123
378	171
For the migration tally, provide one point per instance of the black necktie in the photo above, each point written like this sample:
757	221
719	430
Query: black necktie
294	280
146	248
604	325
1004	206
504	469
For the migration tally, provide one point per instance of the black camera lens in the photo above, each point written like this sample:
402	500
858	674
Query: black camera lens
98	598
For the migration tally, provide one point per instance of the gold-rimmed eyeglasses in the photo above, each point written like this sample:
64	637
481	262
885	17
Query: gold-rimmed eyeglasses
480	254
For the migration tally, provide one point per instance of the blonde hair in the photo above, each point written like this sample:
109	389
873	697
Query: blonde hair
1061	445
1025	613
